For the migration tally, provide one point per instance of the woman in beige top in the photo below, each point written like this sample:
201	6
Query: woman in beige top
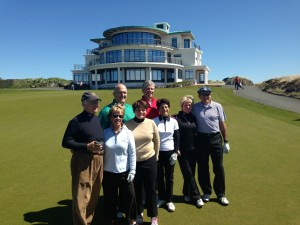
147	149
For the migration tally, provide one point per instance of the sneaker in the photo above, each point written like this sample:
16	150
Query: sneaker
154	221
132	222
206	197
187	198
160	203
120	215
224	201
199	203
171	207
139	219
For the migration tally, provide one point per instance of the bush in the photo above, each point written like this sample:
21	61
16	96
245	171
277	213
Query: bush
181	84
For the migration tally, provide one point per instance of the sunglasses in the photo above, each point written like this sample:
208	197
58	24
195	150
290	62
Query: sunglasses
116	116
205	95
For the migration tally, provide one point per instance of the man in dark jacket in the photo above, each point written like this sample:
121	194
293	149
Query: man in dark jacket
83	136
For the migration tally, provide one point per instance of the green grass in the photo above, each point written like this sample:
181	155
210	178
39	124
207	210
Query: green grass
262	169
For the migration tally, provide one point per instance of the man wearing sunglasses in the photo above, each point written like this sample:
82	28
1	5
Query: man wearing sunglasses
211	141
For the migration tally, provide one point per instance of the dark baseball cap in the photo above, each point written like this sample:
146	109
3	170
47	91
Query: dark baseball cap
204	90
89	96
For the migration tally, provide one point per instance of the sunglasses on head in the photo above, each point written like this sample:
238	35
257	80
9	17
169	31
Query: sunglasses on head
116	116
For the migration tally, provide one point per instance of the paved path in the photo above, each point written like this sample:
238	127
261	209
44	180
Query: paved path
254	93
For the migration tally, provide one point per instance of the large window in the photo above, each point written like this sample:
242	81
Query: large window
156	56
102	58
170	75
96	78
112	76
158	75
113	56
135	38
201	78
187	43
81	77
179	74
134	55
189	75
133	75
174	42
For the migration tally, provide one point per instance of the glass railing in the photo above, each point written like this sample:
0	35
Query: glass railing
161	43
95	62
80	67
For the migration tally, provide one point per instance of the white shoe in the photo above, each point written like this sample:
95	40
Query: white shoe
171	207
154	221
187	198
199	203
139	219
132	222
206	197
224	201
160	203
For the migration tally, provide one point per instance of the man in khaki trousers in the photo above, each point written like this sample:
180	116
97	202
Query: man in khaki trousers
84	136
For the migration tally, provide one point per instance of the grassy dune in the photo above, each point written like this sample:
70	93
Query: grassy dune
262	169
286	86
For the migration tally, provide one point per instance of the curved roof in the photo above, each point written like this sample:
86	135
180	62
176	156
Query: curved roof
108	33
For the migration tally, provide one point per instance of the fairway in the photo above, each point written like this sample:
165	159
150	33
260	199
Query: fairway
262	170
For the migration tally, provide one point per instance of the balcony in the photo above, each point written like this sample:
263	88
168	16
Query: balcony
96	62
159	43
80	67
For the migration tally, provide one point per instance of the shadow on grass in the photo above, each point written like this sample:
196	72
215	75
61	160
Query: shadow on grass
61	215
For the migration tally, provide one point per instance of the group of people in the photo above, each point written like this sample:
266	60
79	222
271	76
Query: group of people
131	150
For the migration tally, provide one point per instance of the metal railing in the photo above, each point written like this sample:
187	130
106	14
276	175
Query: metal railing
95	62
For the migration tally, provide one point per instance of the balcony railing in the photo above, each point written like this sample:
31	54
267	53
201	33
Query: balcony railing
95	62
80	67
135	42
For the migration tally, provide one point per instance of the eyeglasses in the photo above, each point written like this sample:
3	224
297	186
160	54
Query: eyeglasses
116	116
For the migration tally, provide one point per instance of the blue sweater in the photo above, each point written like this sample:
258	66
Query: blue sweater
119	151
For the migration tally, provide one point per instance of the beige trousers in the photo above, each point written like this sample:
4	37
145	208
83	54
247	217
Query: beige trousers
87	173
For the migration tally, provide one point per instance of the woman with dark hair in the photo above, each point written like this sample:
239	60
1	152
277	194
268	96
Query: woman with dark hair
147	148
169	144
119	167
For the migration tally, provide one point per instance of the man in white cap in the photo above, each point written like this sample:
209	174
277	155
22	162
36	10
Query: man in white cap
211	141
83	136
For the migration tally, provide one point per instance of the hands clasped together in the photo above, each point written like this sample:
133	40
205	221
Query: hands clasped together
95	147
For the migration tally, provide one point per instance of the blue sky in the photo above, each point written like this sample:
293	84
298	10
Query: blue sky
258	39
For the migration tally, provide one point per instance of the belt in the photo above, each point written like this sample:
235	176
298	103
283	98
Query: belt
208	134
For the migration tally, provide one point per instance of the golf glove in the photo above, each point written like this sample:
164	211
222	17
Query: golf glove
130	177
226	147
173	159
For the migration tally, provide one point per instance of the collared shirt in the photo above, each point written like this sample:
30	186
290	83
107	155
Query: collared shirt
105	123
152	110
166	129
119	151
208	117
